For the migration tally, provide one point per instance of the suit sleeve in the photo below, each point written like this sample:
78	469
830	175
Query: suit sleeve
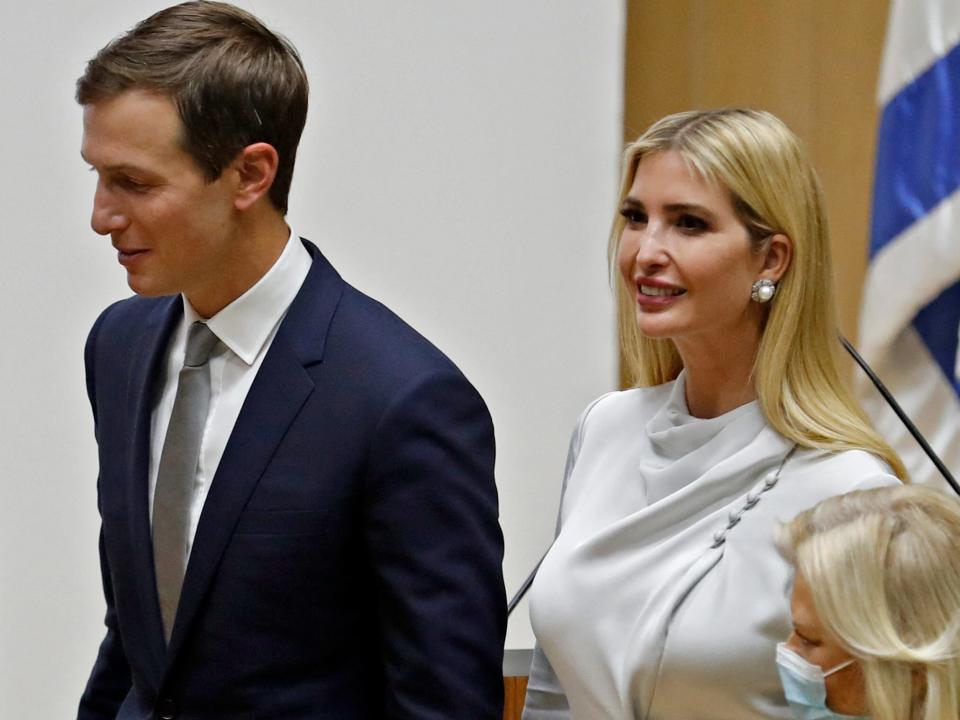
109	681
436	549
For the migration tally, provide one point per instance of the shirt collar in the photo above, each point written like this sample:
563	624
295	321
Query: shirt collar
246	324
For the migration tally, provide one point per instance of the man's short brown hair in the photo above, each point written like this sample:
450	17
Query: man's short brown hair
233	81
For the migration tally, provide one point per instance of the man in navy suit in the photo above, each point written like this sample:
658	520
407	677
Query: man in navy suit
330	547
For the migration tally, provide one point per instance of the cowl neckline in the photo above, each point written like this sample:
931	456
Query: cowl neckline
651	490
683	447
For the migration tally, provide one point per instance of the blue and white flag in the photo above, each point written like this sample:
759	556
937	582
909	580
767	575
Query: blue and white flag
910	318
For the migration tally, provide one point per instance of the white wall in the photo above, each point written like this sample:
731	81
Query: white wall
459	164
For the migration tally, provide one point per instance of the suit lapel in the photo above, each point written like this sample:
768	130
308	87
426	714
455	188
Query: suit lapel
147	358
275	398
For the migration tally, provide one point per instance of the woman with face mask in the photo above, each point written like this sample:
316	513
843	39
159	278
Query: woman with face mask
664	595
875	607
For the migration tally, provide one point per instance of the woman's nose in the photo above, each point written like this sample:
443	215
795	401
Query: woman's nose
650	249
793	641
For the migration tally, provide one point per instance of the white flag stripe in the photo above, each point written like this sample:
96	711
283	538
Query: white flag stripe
915	379
907	274
925	31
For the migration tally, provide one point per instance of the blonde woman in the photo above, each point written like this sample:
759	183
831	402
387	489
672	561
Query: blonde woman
664	595
876	606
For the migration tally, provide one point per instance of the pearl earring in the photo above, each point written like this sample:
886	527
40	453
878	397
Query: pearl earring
763	290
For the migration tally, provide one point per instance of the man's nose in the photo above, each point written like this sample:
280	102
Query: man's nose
107	216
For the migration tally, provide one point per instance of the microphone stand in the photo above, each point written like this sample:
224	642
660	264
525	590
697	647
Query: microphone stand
904	418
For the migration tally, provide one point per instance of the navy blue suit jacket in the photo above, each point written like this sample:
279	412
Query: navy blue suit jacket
347	562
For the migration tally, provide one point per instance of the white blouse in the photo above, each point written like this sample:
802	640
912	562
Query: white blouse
663	595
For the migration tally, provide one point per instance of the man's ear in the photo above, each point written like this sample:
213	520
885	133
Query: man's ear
777	257
256	168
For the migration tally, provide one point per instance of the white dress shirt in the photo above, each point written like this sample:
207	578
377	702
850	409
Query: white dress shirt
246	328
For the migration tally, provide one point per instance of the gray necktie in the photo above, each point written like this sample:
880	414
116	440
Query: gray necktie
177	471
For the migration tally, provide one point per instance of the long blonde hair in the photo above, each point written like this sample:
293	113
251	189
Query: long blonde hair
883	568
774	189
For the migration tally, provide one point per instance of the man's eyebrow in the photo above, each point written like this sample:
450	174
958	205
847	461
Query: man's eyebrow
119	167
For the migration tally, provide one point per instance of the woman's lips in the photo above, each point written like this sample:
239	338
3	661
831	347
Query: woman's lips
655	295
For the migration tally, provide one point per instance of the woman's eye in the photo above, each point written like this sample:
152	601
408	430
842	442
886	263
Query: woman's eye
691	223
634	216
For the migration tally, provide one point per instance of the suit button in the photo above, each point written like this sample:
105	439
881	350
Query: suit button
167	709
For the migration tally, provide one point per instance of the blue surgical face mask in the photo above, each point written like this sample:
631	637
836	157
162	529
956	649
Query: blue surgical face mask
805	687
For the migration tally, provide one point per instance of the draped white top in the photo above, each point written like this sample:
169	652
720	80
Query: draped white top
663	595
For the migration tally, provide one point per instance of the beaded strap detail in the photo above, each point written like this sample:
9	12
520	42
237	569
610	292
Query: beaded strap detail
751	499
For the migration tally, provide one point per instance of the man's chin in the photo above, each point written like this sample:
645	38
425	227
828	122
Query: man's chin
144	287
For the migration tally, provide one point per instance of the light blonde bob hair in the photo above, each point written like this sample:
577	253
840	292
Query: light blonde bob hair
883	568
773	187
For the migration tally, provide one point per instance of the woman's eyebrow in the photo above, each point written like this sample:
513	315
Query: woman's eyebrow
801	628
691	208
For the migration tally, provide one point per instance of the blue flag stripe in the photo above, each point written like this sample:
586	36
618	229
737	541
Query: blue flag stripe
937	324
918	150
